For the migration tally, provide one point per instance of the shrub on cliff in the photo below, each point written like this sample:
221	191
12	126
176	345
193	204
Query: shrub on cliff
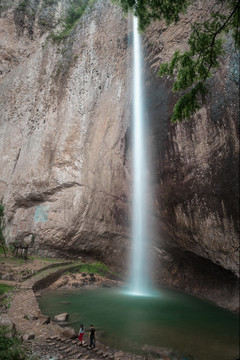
74	14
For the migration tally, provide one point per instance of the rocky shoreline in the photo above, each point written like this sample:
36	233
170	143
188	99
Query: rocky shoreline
48	340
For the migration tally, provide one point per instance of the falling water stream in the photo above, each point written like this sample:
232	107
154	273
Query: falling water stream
139	280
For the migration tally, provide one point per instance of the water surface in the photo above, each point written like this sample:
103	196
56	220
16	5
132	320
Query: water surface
171	319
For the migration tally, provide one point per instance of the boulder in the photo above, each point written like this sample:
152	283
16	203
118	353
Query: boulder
27	337
107	284
44	320
6	321
61	317
36	315
69	333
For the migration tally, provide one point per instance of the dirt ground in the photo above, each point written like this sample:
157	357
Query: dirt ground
18	269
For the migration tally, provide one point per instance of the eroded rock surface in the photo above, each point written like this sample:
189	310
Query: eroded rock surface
63	124
65	152
196	171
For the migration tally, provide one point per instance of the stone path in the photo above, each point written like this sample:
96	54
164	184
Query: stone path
25	313
48	341
59	348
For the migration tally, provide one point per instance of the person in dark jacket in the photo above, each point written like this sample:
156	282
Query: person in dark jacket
92	336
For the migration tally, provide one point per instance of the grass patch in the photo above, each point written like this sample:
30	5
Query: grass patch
6	296
1	250
45	259
96	268
13	260
50	2
5	288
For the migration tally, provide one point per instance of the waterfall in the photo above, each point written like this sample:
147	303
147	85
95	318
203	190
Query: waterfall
139	279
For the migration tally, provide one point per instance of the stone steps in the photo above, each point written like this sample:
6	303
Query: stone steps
70	349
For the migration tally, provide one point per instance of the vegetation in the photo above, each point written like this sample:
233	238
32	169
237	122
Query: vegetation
6	294
191	69
22	5
10	346
75	12
13	260
45	259
5	288
50	2
1	250
96	268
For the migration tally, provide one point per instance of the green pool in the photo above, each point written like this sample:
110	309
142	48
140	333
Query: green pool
171	319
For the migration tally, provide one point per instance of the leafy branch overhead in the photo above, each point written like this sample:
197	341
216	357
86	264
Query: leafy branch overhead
191	69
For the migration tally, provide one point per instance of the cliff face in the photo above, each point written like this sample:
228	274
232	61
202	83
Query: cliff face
64	147
196	167
63	123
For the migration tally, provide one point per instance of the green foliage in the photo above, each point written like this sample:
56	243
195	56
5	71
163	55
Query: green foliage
22	5
191	69
74	14
50	2
96	268
5	288
43	23
10	346
1	250
150	10
6	294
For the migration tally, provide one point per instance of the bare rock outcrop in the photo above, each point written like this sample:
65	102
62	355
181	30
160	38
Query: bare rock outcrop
63	125
196	170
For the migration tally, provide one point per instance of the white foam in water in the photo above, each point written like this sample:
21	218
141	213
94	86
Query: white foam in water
139	280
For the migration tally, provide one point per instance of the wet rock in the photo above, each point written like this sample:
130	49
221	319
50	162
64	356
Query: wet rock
61	317
165	353
69	332
7	276
107	284
36	315
92	278
27	337
44	320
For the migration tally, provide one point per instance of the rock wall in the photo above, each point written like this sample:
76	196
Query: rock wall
63	124
65	152
196	170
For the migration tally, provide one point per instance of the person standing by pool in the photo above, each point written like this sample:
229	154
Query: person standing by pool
92	336
81	333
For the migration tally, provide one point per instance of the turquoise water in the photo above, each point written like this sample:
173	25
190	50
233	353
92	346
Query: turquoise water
171	319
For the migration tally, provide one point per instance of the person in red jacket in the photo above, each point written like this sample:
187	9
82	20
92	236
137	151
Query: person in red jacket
81	333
